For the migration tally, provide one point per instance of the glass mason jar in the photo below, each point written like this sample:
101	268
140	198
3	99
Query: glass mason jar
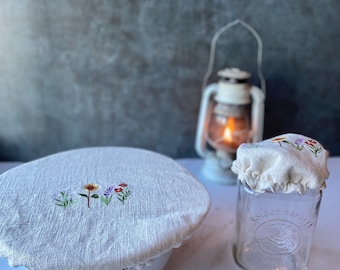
275	230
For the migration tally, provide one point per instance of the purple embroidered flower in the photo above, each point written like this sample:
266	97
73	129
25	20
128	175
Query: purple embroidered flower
106	199
108	191
298	143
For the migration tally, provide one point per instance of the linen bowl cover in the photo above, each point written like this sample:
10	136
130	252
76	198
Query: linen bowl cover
97	208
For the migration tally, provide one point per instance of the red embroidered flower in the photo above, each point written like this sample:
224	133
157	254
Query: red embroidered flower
119	189
313	146
123	192
311	142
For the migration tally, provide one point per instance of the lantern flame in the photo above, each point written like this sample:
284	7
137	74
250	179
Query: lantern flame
228	130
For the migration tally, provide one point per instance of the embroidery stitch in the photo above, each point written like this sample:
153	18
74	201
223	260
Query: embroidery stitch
65	198
298	144
106	199
90	188
313	146
123	192
279	140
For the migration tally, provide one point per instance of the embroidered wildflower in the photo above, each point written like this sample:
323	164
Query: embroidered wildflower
313	146
90	188
65	198
279	140
299	141
123	192
298	144
118	189
108	191
106	199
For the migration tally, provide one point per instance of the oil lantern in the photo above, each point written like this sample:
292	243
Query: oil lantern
231	113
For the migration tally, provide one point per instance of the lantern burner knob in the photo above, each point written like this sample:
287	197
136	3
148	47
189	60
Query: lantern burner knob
234	75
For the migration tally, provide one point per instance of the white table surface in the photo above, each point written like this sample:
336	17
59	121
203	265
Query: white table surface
210	248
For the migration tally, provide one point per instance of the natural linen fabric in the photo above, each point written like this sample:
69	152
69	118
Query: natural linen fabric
165	206
289	162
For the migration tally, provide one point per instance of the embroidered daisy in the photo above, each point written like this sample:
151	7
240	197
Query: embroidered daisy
90	188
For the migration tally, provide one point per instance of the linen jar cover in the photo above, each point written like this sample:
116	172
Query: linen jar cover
289	162
97	208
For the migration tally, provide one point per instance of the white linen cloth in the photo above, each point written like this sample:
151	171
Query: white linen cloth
289	162
165	205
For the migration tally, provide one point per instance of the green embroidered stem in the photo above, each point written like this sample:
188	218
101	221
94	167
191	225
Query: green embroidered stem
65	198
124	195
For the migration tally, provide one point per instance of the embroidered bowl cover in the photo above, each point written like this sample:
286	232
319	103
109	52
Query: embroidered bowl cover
289	162
97	208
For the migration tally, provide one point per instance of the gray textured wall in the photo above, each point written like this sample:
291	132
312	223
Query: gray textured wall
125	72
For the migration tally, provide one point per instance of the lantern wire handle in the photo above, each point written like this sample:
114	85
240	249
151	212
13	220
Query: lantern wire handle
213	48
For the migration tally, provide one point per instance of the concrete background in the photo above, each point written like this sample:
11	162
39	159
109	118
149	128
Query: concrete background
128	73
